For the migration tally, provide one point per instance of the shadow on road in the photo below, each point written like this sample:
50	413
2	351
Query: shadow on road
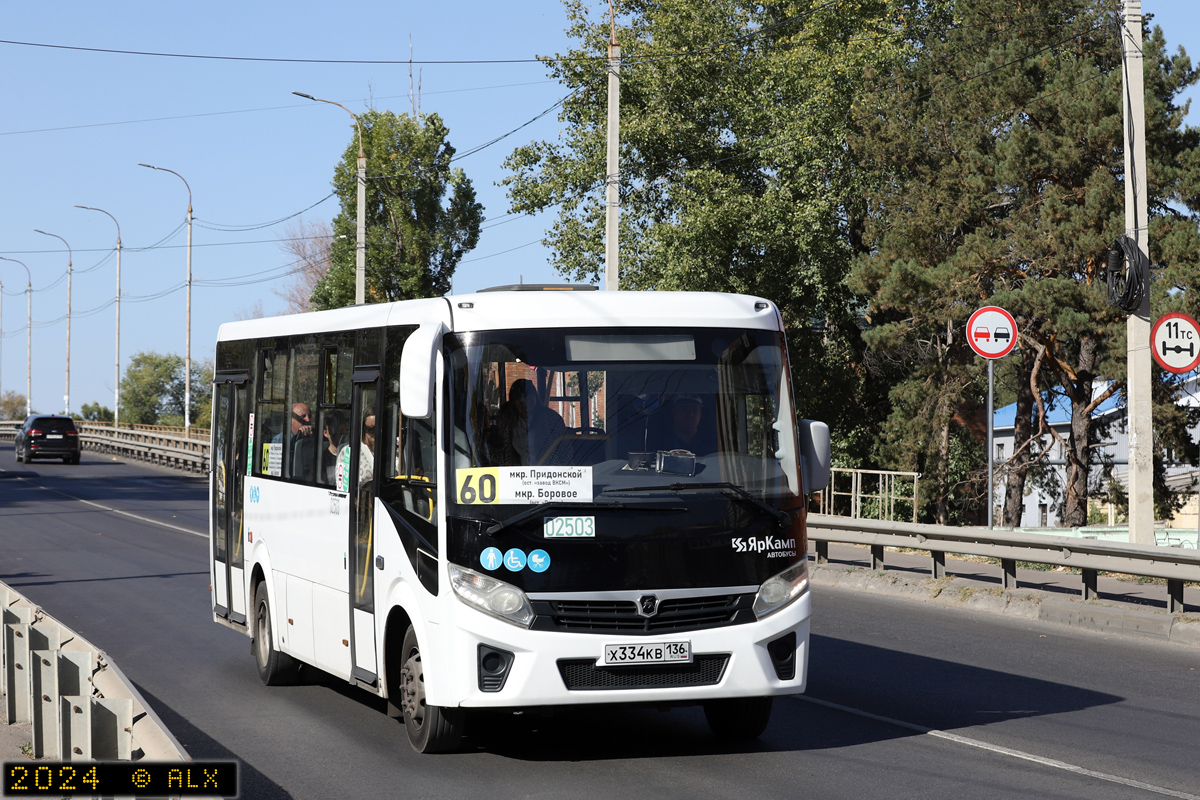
928	692
19	581
202	747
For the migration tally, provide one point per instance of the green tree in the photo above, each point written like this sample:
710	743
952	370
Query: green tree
735	176
12	405
152	387
94	412
152	391
421	213
997	160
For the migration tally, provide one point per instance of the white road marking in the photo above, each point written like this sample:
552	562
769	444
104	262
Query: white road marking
1005	751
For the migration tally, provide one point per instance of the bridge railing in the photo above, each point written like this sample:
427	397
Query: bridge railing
157	444
1173	564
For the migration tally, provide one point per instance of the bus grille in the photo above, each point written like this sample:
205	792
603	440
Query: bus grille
621	616
582	674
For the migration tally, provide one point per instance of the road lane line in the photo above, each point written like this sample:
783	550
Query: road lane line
1005	751
116	510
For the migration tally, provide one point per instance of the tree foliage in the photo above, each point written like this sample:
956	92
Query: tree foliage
308	243
421	213
735	175
94	412
12	405
996	157
152	390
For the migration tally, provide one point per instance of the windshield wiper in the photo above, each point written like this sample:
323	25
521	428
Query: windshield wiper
728	489
533	511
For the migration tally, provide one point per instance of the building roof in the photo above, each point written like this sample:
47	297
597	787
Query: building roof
1060	412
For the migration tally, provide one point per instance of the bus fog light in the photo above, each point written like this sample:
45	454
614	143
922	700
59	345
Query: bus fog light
491	596
781	590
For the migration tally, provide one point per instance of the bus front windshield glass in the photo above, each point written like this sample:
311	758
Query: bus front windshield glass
574	416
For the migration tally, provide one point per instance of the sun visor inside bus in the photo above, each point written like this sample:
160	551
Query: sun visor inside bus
417	370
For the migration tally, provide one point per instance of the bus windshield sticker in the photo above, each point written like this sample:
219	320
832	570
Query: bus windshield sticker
523	485
275	459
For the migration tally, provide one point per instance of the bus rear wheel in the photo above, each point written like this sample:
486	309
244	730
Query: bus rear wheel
738	719
274	668
430	729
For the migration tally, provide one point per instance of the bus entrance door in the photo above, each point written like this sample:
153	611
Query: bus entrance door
362	530
229	459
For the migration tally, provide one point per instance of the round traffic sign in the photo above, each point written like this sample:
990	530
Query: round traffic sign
992	332
1175	340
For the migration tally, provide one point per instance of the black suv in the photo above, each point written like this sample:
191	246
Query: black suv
48	437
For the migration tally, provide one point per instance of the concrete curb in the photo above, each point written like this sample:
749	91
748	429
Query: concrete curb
1036	604
152	740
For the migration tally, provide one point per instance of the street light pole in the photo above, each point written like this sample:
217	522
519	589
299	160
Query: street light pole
67	390
360	246
28	335
187	356
117	368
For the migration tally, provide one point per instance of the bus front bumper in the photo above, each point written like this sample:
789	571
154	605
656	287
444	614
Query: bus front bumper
496	664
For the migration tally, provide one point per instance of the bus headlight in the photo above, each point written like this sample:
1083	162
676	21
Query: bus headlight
491	596
780	590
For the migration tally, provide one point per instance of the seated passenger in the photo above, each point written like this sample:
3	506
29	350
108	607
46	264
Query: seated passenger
526	431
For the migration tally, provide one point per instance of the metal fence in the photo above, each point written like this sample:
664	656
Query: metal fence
155	444
870	494
1175	565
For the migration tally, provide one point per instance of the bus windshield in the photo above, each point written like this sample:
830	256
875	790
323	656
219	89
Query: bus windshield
579	415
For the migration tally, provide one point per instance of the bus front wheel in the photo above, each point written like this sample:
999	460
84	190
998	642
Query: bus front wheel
274	668
430	729
738	719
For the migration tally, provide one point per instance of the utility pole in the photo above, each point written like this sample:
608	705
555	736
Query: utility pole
612	194
187	351
1141	427
67	389
117	344
360	240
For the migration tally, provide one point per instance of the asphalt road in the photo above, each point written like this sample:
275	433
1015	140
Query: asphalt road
905	699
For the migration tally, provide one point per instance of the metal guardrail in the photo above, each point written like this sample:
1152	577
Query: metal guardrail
1175	565
152	443
79	705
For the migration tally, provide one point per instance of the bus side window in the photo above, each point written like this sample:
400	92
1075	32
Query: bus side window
270	419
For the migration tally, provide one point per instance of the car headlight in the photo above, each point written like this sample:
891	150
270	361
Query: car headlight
780	590
491	596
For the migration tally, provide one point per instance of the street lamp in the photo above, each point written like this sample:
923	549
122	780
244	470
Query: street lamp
28	335
117	369
67	390
360	247
187	356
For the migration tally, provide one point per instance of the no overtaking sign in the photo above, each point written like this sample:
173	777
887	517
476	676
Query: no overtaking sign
992	332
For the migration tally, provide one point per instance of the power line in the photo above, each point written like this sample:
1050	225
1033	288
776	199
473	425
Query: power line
252	110
261	59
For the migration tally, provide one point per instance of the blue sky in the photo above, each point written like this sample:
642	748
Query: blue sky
75	125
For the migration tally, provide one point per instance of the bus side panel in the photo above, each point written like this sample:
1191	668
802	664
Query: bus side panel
396	586
308	527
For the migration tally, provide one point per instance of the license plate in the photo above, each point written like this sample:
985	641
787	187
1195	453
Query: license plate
569	527
648	653
54	436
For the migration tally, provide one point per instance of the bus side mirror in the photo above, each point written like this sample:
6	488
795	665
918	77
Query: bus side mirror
417	365
815	455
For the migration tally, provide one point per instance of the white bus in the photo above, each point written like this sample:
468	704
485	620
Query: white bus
519	498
